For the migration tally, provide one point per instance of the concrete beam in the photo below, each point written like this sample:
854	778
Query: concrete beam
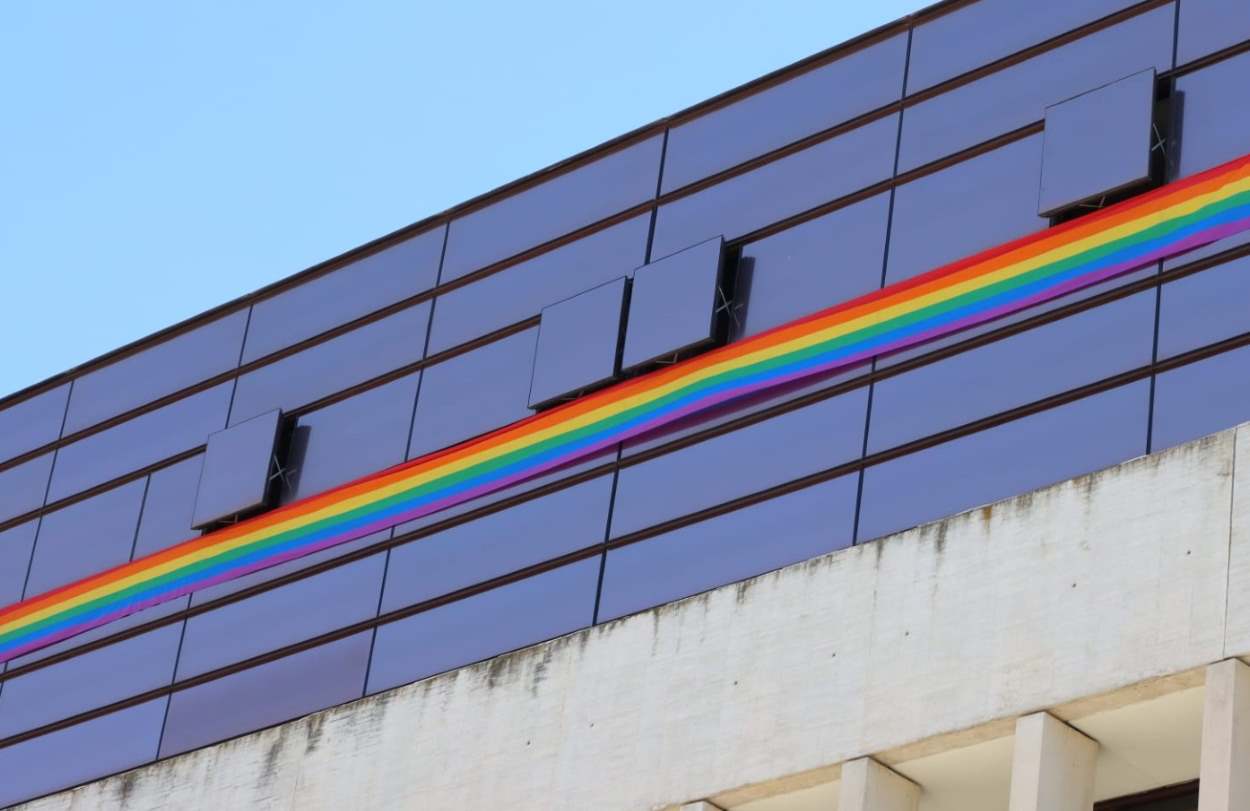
869	786
1225	773
1052	768
701	805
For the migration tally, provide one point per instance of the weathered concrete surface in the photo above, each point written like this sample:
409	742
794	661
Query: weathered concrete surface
1076	591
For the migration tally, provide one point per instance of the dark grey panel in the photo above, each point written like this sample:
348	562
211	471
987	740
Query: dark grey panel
791	185
1204	308
16	544
167	507
1016	96
578	343
982	32
163	369
1005	374
565	203
266	695
282	616
729	548
1207	26
85	538
484	625
816	100
32	423
366	285
521	291
1212	128
139	442
1201	398
237	466
22	487
497	544
337	364
81	753
768	453
1007	460
1097	143
814	265
673	304
473	393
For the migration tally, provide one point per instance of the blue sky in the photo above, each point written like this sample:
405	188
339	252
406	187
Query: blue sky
158	158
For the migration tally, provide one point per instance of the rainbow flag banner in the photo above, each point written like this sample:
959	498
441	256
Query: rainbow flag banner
1161	223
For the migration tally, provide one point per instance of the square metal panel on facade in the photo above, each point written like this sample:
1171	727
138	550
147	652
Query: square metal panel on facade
1097	143
673	304
237	468
578	344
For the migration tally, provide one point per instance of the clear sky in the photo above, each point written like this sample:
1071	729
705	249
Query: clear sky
158	158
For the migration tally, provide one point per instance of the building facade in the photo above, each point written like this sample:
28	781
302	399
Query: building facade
777	605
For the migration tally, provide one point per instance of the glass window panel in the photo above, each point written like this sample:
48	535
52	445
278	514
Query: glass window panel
473	393
1011	372
1211	127
673	304
163	369
768	453
791	185
521	291
1211	249
109	629
1201	398
390	275
139	442
1207	26
814	265
728	548
32	423
1013	97
497	544
22	487
16	544
236	471
982	32
267	694
553	208
102	746
578	343
167	507
339	363
1007	460
1205	307
782	114
529	611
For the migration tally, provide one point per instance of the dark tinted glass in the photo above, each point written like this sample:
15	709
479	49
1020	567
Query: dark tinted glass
728	548
1097	143
237	465
102	746
791	185
349	439
167	507
282	616
1205	307
673	304
86	537
32	423
1211	128
266	695
1018	95
736	464
390	275
337	364
496	544
969	207
1031	452
16	544
22	486
109	629
473	393
814	265
578	342
565	203
1025	367
1201	398
1207	26
163	369
139	442
521	291
981	32
819	99
485	625
1211	249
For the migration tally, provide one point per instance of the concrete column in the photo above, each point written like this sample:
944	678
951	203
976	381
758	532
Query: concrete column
1052	768
1225	771
869	786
